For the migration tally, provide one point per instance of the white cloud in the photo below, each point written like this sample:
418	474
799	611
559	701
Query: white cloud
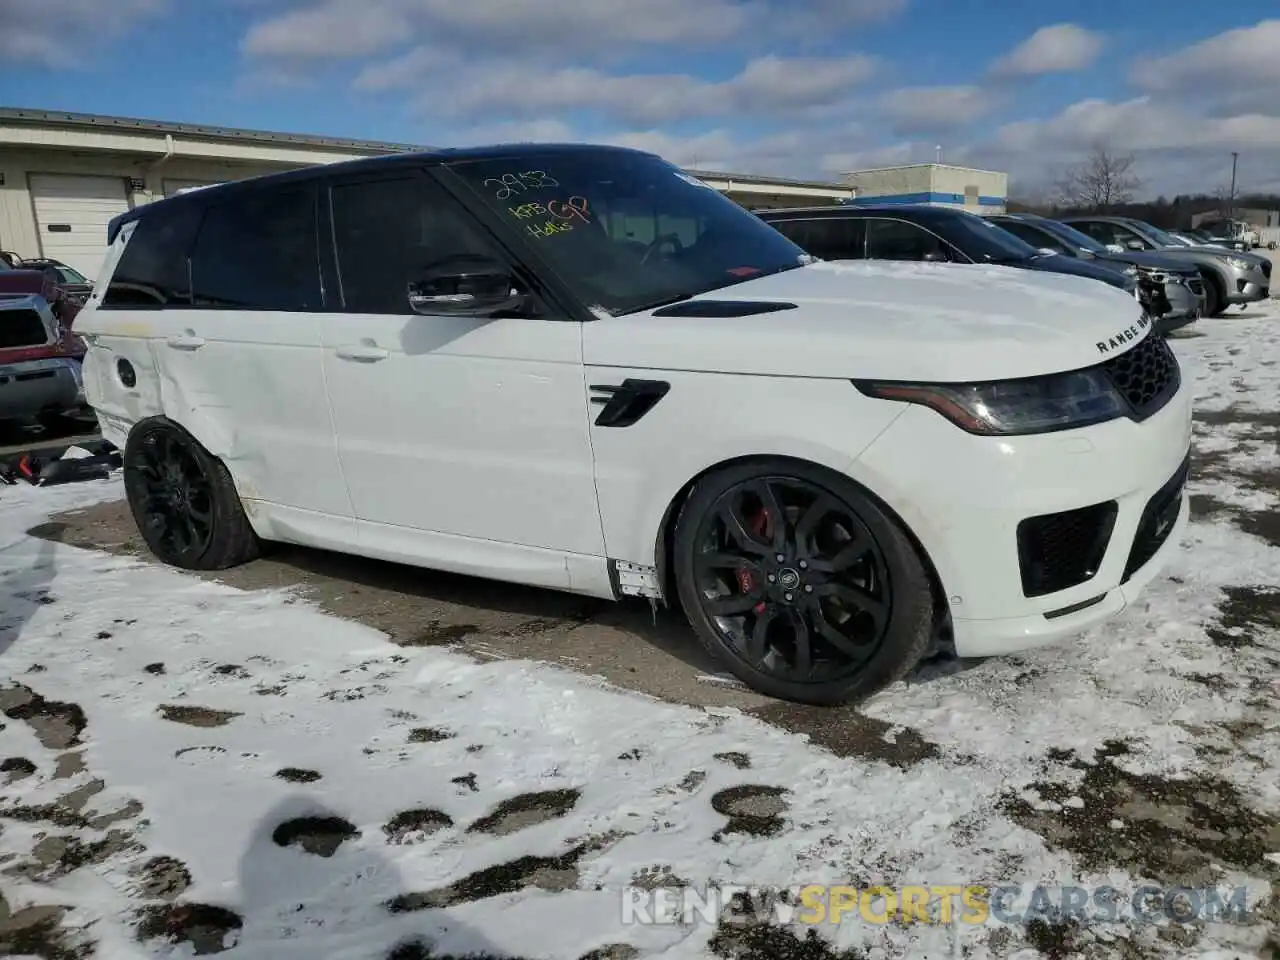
58	33
355	28
1245	57
445	85
1060	48
927	110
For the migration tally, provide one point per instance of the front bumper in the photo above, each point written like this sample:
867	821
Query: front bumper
1250	286
32	387
964	497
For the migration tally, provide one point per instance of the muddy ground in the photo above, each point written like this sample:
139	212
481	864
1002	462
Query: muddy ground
1182	830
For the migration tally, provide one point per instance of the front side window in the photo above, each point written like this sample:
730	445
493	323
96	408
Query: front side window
388	231
899	240
258	252
627	231
153	270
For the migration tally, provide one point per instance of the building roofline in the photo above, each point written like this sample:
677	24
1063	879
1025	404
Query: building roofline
916	166
93	121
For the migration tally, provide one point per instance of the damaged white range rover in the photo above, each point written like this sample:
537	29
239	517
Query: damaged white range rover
580	368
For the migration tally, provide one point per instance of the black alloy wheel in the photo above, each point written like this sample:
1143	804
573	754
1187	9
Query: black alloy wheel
805	591
183	500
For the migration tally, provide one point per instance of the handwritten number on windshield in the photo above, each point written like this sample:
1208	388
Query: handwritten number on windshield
510	184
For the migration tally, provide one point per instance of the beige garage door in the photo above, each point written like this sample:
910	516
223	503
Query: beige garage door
72	213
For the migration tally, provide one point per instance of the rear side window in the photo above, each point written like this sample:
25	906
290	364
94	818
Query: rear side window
153	270
387	231
831	238
258	252
899	240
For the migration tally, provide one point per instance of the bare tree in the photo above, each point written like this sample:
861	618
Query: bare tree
1104	180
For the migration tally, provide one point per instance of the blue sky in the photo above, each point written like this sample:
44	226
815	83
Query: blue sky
805	89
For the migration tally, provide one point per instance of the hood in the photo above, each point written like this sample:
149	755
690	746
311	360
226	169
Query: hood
1095	270
881	320
1146	258
1202	252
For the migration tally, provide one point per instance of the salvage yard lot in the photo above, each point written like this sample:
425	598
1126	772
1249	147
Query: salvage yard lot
325	757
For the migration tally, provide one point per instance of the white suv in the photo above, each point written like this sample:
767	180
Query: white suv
580	368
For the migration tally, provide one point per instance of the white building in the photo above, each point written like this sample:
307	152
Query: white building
937	184
63	176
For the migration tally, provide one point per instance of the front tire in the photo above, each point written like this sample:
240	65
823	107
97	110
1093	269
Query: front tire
800	582
184	500
1215	299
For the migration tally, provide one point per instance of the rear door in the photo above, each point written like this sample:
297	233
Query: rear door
213	306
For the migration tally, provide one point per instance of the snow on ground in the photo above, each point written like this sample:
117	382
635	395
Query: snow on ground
190	767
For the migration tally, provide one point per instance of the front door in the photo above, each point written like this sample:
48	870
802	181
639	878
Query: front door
449	427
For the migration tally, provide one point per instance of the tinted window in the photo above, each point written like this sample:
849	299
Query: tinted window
258	252
388	231
678	237
153	270
899	240
831	238
1037	238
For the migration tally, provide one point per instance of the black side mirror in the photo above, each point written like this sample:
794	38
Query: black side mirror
465	285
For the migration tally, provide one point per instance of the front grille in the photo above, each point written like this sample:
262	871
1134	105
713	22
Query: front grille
1156	522
22	328
1146	376
1061	550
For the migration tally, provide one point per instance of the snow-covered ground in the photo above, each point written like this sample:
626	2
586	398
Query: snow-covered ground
188	766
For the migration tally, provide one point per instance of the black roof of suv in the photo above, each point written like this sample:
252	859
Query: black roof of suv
958	235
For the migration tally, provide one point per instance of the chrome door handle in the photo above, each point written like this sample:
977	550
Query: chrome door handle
362	354
186	343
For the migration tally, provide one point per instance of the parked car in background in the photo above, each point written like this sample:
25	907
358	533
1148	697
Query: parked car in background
74	283
924	233
40	358
761	438
1231	230
1171	290
1230	277
1209	238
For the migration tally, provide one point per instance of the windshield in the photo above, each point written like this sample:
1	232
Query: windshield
1071	235
71	276
983	239
629	231
1155	233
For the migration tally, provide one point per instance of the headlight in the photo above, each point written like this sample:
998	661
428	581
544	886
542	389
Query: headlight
1237	264
1155	276
1010	407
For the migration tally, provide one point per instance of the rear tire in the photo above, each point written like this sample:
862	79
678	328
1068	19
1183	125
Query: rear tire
184	500
848	609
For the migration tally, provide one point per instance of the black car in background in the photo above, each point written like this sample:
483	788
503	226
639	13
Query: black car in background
921	232
1159	276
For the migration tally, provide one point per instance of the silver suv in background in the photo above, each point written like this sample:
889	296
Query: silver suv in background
1178	281
1230	277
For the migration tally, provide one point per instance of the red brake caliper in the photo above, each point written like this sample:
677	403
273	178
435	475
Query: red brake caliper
758	525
